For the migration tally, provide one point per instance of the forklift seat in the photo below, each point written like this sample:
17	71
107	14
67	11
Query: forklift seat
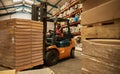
63	43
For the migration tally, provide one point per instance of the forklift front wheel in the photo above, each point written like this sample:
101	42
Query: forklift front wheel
51	58
72	54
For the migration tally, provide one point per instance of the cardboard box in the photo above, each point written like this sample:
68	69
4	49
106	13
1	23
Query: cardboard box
105	50
21	43
88	4
104	12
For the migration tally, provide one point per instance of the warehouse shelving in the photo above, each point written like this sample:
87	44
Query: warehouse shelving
72	14
79	10
73	24
66	8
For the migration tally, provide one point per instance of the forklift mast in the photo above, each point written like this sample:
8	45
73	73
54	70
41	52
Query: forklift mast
39	13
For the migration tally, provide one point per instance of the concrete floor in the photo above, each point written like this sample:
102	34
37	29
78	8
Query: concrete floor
69	66
66	66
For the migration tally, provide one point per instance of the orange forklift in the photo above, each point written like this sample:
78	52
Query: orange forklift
54	47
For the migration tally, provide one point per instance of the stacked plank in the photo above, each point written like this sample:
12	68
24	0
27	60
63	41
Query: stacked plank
108	29
37	43
97	22
21	43
101	37
101	56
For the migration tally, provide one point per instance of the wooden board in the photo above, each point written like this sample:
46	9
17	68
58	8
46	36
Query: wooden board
85	71
39	71
18	42
8	72
106	30
103	50
103	12
94	66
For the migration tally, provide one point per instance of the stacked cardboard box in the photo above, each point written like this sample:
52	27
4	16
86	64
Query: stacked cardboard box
101	37
21	43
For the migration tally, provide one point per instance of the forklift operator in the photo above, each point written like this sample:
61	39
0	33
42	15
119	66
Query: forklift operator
59	30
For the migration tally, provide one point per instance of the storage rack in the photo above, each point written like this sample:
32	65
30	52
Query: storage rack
78	10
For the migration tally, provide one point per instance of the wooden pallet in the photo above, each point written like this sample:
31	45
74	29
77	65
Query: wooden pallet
108	29
21	43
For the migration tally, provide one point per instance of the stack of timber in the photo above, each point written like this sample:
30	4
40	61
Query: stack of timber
100	35
21	43
101	56
105	30
97	22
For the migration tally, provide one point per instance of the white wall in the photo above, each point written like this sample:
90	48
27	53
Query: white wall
50	26
21	15
17	15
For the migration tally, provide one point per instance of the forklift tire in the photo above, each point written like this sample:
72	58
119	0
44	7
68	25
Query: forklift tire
51	57
72	54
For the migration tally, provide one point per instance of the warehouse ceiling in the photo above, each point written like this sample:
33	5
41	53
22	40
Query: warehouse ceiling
13	6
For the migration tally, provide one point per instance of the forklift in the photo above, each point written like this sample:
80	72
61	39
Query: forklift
53	49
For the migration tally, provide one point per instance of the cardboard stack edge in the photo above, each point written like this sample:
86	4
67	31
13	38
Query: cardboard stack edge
100	13
101	37
101	20
21	43
103	30
101	56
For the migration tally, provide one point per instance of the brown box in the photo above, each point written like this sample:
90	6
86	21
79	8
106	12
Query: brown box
103	12
90	65
21	43
102	30
88	4
105	50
